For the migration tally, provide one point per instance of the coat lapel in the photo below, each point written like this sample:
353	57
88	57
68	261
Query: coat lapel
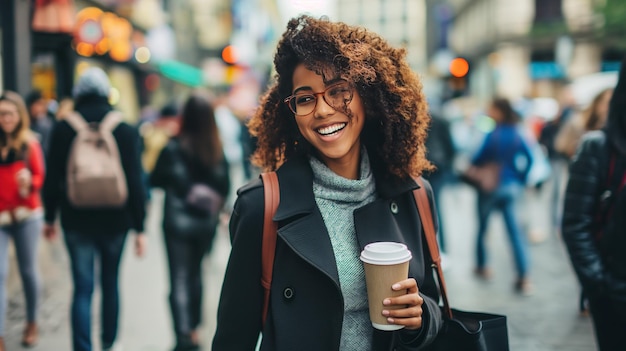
301	224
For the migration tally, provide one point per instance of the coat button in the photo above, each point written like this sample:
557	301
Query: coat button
394	207
288	293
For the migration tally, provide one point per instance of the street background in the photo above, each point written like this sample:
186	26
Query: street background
545	321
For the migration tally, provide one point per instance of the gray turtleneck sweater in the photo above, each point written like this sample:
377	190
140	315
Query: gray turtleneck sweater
337	198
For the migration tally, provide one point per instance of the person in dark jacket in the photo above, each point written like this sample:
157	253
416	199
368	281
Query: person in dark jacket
41	121
344	126
441	152
94	232
593	221
194	173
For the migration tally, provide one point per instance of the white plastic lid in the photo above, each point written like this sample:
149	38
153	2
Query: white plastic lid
385	253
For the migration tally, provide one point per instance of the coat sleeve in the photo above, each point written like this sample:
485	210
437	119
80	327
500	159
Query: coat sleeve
432	318
128	142
56	161
162	173
578	213
240	307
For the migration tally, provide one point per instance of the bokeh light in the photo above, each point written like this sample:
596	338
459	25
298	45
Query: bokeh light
142	54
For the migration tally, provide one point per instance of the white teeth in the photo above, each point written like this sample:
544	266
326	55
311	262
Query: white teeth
331	129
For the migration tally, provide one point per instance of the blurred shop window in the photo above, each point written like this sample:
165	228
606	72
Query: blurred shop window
548	10
53	16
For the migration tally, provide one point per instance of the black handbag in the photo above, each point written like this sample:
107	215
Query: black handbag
182	221
462	330
192	212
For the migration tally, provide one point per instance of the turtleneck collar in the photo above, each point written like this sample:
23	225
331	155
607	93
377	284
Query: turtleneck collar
329	185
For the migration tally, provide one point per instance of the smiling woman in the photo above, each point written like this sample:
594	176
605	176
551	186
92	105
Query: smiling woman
21	220
343	126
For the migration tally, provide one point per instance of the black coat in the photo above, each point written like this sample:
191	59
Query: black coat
176	171
583	197
86	220
587	182
306	303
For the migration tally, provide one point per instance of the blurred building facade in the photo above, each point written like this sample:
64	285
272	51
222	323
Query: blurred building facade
401	22
530	47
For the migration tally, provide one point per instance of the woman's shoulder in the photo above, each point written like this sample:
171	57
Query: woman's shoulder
251	190
248	211
593	140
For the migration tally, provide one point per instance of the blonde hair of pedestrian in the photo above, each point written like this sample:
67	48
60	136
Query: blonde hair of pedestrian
21	136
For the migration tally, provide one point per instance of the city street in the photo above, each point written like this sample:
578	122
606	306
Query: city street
548	320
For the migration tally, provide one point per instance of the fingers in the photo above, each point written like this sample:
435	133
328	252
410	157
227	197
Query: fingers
405	309
140	245
407	284
50	232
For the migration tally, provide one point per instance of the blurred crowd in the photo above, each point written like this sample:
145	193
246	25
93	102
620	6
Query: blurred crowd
198	151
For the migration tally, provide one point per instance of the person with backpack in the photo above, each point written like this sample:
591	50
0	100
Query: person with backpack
193	171
21	215
593	221
344	126
95	181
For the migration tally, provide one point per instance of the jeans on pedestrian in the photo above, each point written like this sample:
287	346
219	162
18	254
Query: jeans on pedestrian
25	237
185	257
504	199
85	249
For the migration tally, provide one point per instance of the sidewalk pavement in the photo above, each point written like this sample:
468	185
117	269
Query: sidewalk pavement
546	321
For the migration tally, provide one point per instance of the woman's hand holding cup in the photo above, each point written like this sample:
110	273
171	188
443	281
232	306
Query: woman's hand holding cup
386	266
410	316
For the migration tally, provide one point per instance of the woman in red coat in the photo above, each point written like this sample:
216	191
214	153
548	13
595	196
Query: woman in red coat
21	216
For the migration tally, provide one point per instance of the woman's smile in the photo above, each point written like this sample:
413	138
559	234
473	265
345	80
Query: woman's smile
334	132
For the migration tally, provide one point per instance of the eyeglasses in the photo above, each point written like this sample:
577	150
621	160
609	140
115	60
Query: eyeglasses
337	96
8	113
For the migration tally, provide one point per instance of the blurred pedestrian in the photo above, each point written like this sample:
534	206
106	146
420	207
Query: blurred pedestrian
441	152
21	217
156	134
558	160
592	118
230	129
94	232
41	121
193	171
594	222
66	105
506	147
343	125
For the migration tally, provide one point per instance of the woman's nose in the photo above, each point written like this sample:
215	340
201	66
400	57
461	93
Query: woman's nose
322	108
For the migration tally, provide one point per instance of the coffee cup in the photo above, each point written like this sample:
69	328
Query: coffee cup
385	263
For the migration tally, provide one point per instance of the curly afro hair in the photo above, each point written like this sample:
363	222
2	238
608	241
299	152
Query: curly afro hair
396	111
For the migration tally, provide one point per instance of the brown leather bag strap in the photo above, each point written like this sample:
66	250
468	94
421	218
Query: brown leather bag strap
426	216
270	228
